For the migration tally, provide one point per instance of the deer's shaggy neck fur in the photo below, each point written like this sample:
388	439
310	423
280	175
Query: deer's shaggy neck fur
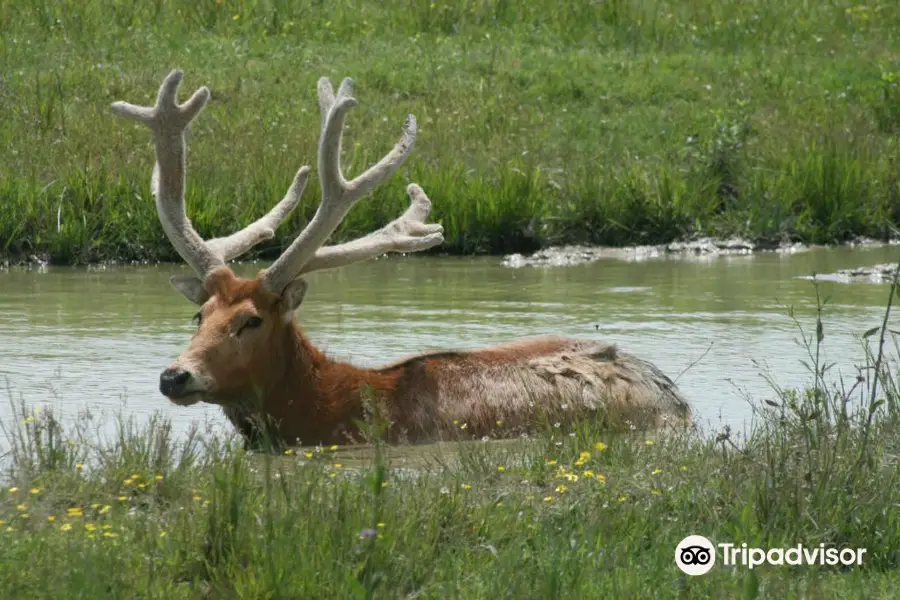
303	396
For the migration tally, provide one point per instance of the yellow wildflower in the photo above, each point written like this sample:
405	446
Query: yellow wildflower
289	452
65	527
561	488
657	471
75	511
198	498
548	499
601	477
122	498
466	486
499	422
51	518
308	454
585	456
649	442
22	507
163	534
35	491
95	506
656	492
683	468
142	485
79	467
622	498
110	534
501	468
128	481
551	462
588	474
464	426
106	527
600	446
13	490
159	477
24	515
90	526
105	509
135	476
333	447
338	465
380	525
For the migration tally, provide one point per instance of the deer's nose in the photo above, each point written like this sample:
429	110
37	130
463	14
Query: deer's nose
172	381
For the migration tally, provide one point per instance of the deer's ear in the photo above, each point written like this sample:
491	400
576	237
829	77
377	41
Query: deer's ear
292	297
191	287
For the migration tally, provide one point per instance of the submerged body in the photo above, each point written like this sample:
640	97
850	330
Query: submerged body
278	389
502	390
304	397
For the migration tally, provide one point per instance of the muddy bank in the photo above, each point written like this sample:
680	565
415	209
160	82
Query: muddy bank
701	248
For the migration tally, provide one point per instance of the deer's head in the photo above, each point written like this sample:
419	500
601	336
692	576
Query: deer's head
241	321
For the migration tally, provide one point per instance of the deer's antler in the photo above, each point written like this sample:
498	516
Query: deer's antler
167	121
409	233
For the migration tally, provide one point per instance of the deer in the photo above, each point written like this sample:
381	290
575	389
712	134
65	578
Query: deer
250	356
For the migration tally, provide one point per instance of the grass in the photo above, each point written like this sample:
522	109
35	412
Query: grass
570	514
615	122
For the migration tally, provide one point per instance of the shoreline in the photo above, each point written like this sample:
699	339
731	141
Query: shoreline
699	248
569	255
564	255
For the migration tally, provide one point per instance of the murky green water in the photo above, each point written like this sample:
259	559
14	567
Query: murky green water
76	338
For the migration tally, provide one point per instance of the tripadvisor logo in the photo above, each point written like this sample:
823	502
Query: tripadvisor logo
696	555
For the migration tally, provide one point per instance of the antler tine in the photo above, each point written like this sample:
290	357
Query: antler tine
408	233
167	121
264	228
326	98
338	194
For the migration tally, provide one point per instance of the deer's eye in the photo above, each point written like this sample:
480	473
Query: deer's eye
198	319
252	323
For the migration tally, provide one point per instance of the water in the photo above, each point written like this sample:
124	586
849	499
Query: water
98	338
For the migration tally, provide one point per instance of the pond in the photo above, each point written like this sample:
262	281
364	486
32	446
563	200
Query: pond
97	338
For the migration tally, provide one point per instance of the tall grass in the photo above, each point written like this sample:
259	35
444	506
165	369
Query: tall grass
571	514
607	122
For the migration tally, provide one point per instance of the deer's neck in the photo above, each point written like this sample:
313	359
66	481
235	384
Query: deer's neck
303	395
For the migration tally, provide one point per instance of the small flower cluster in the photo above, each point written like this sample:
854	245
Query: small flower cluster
579	471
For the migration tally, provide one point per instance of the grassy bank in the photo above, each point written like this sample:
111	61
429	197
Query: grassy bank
611	122
569	514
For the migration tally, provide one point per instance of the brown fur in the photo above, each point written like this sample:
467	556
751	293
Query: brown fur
271	379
